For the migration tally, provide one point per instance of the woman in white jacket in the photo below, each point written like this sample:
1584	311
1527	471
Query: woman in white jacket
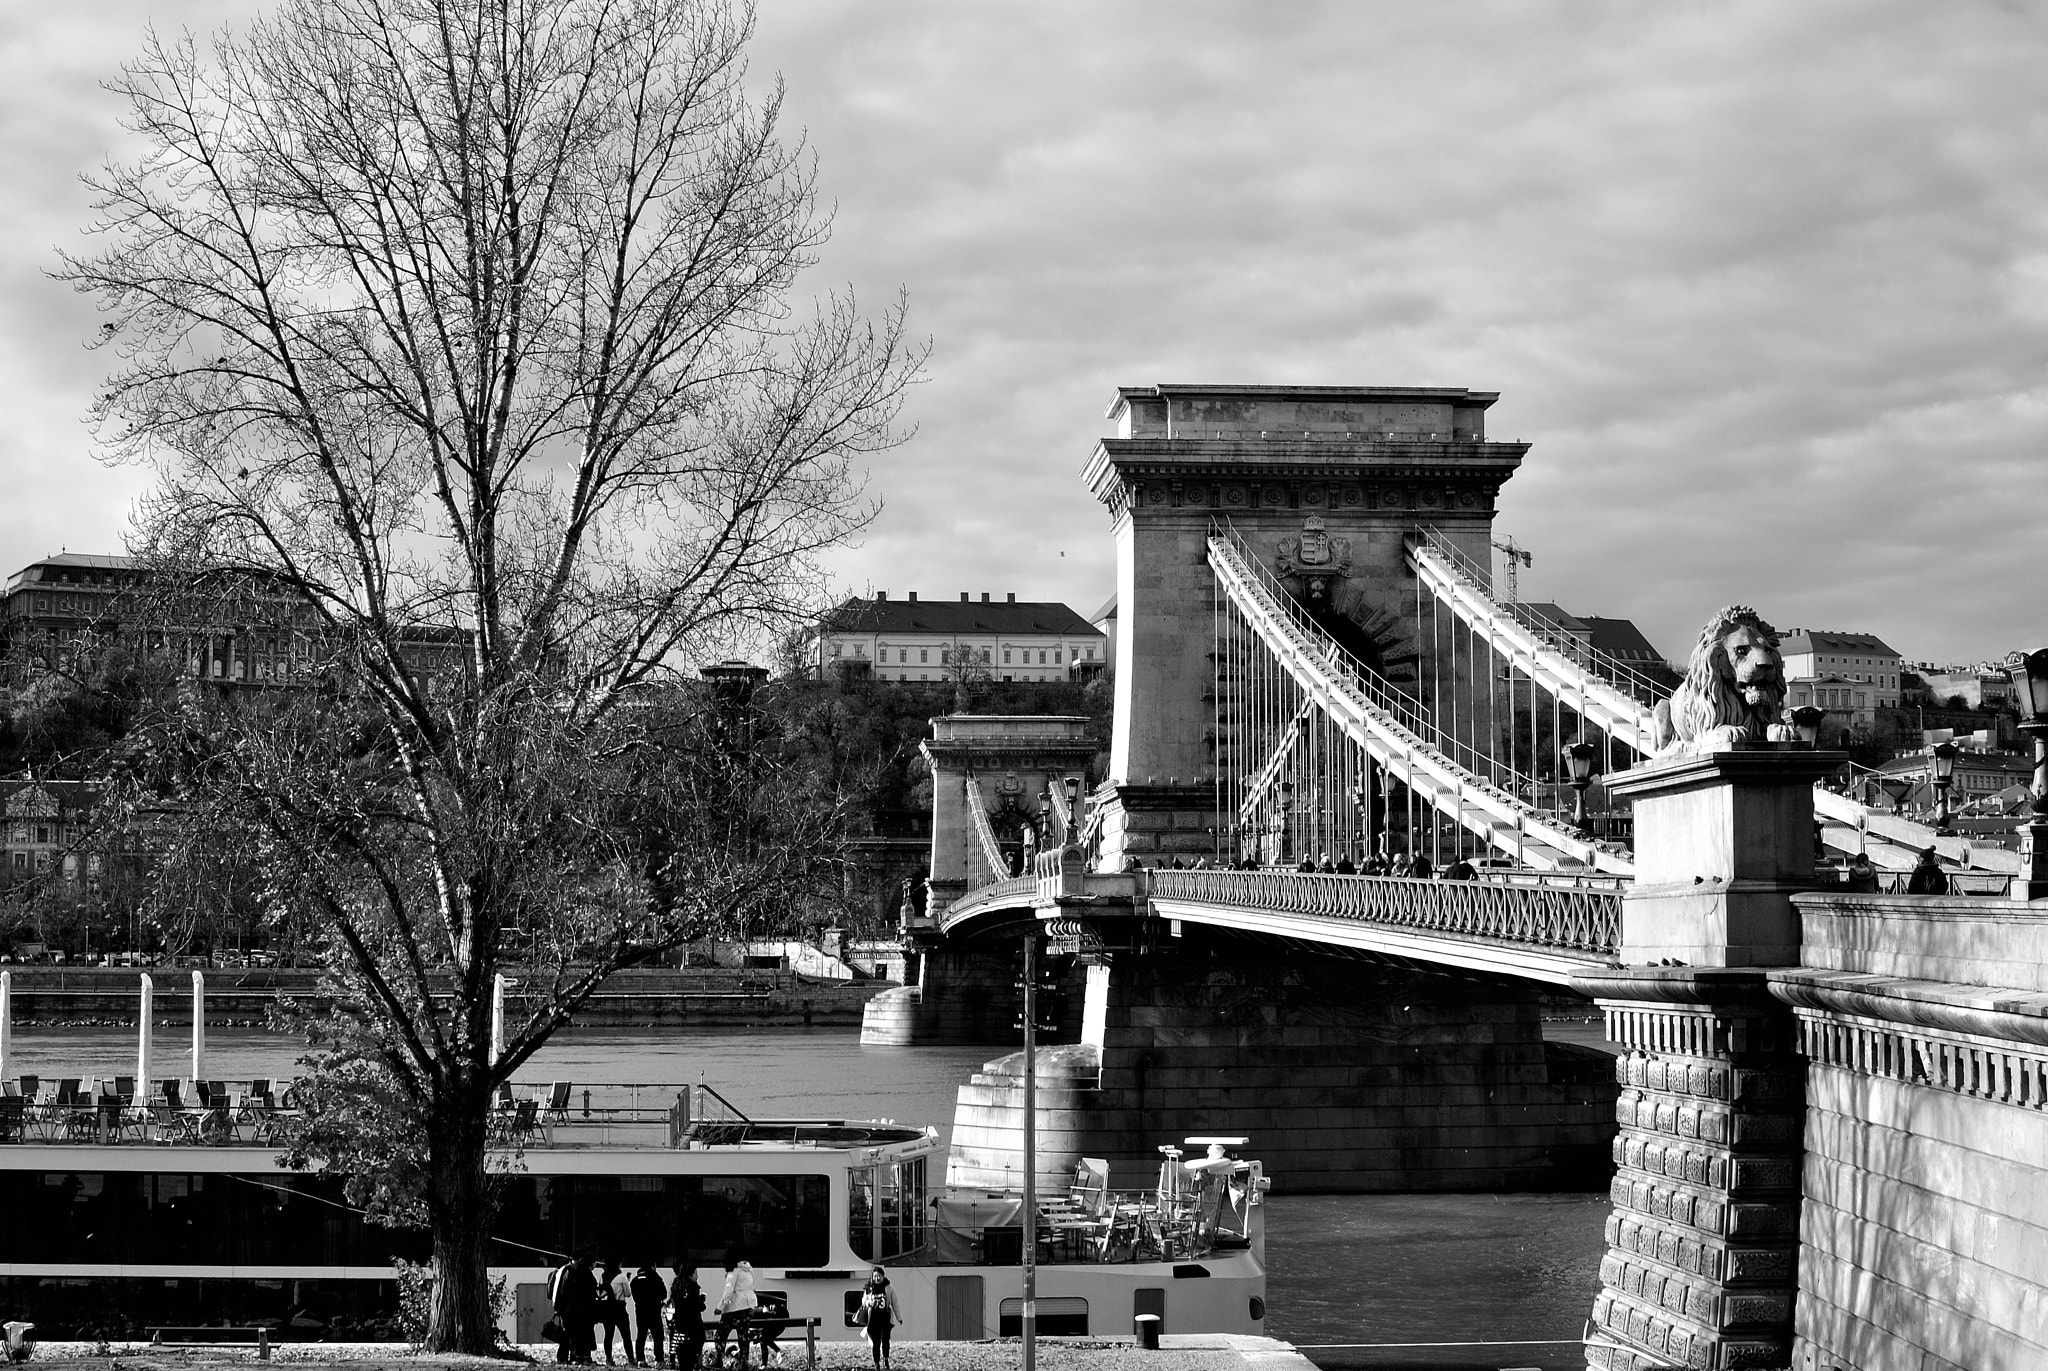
736	1308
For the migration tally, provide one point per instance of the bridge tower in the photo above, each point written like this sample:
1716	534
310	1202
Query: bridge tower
1323	482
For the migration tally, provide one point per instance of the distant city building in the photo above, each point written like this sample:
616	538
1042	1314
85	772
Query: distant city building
1104	621
1979	688
1980	776
1580	635
46	831
923	640
239	630
1851	675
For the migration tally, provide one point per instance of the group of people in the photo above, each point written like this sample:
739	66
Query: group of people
1926	877
1413	865
590	1298
667	1316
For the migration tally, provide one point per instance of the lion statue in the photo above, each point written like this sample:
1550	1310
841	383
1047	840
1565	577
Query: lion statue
1732	694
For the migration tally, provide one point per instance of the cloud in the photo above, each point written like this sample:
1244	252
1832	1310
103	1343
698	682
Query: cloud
1766	286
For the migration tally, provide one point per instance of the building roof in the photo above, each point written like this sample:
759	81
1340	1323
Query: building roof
1620	639
1554	614
1828	640
958	618
1108	611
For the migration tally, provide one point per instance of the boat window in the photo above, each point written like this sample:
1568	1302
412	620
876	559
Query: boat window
125	1218
664	1220
886	1209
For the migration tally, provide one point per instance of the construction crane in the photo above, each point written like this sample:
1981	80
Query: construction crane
1516	557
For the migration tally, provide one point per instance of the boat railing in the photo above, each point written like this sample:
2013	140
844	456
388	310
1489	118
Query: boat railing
85	1111
1104	1227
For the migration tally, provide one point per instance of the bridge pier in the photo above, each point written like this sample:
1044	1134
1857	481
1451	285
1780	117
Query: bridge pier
1702	1263
965	994
1348	1074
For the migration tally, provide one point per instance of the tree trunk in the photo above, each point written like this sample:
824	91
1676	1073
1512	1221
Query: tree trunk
459	1203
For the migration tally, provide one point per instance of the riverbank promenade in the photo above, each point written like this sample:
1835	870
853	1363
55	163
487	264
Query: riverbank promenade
1190	1352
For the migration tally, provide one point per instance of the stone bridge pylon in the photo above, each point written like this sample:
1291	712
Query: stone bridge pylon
1325	483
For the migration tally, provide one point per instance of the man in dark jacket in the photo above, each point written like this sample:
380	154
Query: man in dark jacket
573	1292
1927	877
648	1291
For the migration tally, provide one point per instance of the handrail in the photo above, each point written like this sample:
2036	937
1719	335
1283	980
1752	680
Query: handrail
1256	788
991	850
1608	693
1387	723
1004	894
1573	918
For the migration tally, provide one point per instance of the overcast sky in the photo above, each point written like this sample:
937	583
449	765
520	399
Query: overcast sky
1765	285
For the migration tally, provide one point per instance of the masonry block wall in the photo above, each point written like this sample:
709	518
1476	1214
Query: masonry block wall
1923	1235
1346	1076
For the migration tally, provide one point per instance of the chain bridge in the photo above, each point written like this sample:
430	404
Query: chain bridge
1320	701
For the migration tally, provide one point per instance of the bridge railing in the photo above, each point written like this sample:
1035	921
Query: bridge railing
1577	917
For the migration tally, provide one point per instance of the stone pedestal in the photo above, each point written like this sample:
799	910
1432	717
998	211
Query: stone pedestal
1722	843
2030	882
1702	1262
1154	823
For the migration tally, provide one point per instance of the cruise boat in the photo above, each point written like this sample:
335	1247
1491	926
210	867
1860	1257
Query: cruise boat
119	1213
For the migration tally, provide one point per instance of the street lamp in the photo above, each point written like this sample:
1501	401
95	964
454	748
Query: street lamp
1578	761
1361	804
2029	673
1942	765
1806	723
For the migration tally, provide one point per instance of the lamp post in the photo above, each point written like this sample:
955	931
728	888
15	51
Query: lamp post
1806	722
1578	762
1941	760
2029	673
1361	804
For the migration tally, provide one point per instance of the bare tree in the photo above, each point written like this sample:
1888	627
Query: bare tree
469	323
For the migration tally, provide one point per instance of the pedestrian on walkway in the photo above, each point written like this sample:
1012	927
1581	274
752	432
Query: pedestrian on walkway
647	1290
878	1303
685	1314
736	1306
611	1312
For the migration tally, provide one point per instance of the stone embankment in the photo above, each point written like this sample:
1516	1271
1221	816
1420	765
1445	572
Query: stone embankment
639	998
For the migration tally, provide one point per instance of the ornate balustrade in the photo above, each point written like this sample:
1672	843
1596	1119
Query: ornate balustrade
1004	894
1579	917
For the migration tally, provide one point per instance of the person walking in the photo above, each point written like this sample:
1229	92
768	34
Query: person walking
736	1306
878	1303
573	1292
611	1312
646	1291
685	1314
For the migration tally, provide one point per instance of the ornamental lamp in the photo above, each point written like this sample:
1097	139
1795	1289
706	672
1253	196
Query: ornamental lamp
1942	761
1806	723
1943	756
2029	673
1578	762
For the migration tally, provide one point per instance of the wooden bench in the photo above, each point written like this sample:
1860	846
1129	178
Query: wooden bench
213	1335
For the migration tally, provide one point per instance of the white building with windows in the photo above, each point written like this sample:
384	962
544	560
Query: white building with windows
1851	675
923	640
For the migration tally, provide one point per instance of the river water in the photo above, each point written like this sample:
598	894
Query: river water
1447	1282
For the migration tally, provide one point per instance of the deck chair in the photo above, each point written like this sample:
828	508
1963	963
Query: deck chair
30	1086
13	1116
557	1111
